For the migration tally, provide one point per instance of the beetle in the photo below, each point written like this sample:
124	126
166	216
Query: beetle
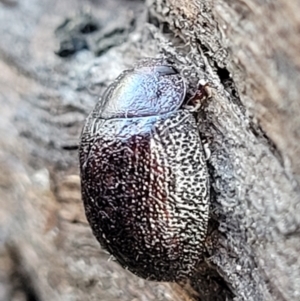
144	179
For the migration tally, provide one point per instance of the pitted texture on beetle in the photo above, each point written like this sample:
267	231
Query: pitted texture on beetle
143	174
145	192
143	91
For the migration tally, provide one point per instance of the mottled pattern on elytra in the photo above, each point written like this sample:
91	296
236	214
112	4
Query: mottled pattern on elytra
145	190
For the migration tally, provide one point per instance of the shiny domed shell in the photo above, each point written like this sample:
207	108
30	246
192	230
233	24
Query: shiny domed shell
144	179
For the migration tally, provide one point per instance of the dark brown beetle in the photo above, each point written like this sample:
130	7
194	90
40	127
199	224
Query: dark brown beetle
144	178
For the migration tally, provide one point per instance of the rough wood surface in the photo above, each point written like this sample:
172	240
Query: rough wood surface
246	50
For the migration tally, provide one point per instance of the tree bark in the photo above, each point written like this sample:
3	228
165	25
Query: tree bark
52	71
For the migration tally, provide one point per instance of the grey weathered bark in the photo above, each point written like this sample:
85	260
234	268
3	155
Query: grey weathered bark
246	50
